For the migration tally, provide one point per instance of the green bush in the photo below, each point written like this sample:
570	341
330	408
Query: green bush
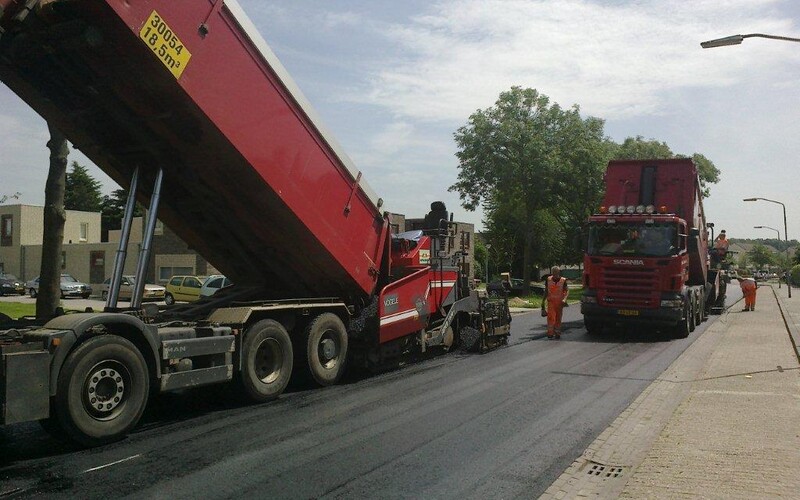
796	275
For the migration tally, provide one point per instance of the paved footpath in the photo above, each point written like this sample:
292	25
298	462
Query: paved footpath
722	422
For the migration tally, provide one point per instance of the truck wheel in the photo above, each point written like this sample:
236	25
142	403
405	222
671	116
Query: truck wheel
266	361
683	330
692	316
325	349
592	327
698	312
169	299
102	390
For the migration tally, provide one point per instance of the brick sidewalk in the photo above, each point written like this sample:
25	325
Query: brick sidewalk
722	422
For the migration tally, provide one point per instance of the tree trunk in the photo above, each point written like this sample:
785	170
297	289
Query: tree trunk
526	255
49	295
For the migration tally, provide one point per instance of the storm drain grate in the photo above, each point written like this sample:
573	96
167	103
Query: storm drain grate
604	471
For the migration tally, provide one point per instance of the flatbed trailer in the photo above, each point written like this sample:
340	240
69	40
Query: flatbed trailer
185	105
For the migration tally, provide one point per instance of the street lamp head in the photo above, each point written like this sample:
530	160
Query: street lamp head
721	42
758	227
750	199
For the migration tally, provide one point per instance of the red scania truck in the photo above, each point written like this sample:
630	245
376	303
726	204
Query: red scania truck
184	104
646	258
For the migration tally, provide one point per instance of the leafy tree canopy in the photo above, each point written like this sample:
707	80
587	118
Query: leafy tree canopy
760	256
82	191
113	209
521	159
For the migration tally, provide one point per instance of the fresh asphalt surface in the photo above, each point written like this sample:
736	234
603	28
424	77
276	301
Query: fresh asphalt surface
499	425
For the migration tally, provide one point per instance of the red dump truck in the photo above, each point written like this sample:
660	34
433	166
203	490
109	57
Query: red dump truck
186	99
647	258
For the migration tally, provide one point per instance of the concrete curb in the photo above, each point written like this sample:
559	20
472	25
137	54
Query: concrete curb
792	323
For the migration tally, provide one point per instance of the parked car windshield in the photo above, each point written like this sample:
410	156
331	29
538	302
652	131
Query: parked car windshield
647	240
68	278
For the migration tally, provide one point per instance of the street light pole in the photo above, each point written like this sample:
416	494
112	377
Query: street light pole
785	236
779	239
737	40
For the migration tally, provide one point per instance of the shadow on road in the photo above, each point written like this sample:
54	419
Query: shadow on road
574	331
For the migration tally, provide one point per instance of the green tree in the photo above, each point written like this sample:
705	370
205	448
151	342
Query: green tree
113	209
639	148
760	256
517	158
796	259
82	191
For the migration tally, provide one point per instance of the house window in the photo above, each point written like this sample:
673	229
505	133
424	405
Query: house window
165	273
84	231
6	230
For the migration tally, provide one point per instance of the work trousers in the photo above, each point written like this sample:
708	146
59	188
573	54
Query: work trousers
750	299
555	308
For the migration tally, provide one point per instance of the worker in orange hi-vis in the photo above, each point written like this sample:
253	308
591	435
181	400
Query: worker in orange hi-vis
749	287
555	295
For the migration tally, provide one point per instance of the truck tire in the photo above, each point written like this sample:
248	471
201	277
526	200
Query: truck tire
682	331
698	311
325	349
169	299
102	390
593	327
692	315
266	361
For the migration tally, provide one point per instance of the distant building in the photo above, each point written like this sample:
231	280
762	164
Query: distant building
83	254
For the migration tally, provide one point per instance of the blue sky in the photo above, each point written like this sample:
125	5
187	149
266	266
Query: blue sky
393	81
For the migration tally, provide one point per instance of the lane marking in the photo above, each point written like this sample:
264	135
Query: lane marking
110	464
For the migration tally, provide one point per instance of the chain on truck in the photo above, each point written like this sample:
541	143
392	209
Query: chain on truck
185	105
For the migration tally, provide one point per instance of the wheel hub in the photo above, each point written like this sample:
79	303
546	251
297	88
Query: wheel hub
105	389
268	361
327	349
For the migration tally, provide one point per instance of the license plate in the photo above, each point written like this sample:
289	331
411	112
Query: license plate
165	44
627	312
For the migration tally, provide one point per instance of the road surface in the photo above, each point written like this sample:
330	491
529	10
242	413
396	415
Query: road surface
499	425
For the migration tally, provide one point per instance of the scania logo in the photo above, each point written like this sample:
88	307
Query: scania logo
628	262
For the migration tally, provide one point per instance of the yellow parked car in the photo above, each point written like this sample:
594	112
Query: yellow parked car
183	288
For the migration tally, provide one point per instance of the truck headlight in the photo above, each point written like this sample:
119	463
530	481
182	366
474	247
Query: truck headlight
672	303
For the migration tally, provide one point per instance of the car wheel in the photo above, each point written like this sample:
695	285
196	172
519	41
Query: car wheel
33	293
86	295
104	295
102	390
169	299
267	360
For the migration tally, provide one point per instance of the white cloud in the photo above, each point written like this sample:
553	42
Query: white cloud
616	60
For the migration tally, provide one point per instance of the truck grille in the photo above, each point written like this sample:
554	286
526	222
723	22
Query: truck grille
629	287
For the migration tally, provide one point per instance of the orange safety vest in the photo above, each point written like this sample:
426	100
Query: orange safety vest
555	289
